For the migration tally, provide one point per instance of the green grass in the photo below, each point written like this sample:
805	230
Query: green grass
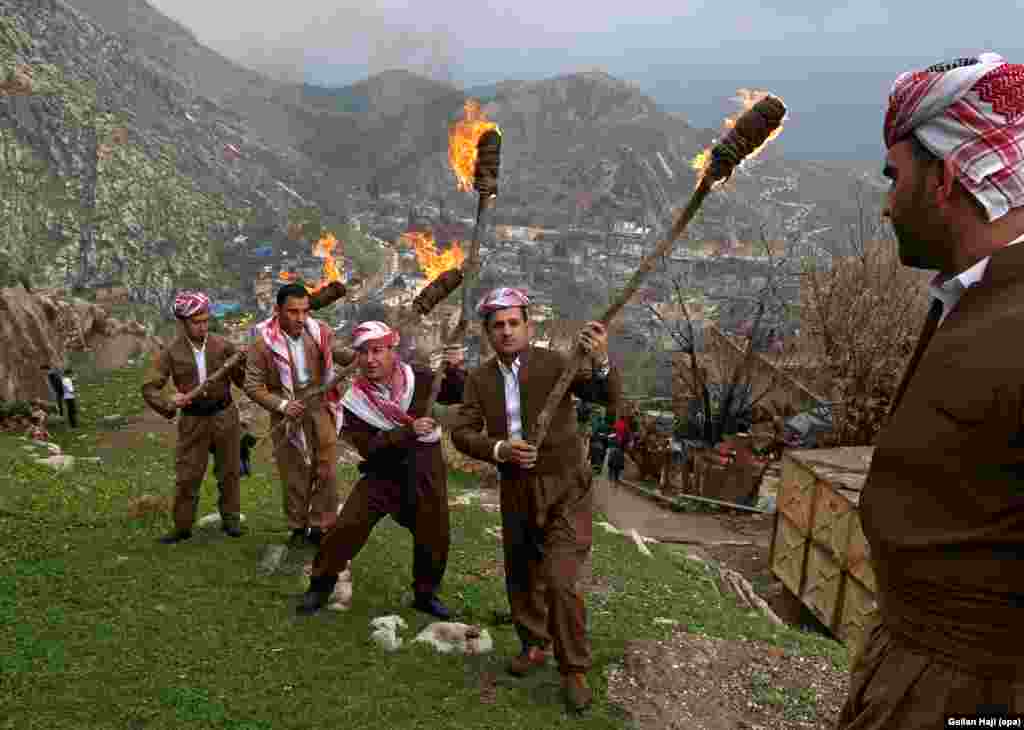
104	628
798	704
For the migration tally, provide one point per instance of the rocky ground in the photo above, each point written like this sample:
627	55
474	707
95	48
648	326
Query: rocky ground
702	683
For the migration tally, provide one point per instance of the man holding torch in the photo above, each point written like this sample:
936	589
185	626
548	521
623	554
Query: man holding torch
291	357
546	501
404	473
209	418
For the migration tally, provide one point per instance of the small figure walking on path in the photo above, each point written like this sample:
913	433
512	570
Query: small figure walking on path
616	462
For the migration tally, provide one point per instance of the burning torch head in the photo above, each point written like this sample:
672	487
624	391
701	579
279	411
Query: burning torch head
327	296
752	130
488	160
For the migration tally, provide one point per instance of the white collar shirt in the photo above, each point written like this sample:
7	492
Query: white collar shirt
513	405
298	351
949	291
199	353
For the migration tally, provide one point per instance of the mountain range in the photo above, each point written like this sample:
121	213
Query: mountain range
582	148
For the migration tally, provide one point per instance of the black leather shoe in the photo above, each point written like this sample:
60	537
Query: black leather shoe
176	537
429	603
319	594
315	536
232	530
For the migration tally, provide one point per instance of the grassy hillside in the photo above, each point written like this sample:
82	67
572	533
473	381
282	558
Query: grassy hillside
104	628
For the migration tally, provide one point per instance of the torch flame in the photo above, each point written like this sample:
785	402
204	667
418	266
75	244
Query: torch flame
324	249
746	98
463	138
432	262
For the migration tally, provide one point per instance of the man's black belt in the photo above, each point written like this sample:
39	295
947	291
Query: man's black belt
206	408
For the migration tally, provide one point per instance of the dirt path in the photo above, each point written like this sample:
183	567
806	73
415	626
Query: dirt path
628	510
135	430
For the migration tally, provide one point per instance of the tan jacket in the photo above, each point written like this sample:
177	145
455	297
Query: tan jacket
263	384
483	403
178	363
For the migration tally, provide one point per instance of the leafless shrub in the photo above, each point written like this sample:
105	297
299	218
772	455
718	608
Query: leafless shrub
860	319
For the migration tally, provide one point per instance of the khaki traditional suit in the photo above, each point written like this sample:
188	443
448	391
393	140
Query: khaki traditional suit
547	518
943	512
211	420
303	505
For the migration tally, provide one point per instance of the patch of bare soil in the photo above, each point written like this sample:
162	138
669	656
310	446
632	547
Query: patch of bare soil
135	431
698	683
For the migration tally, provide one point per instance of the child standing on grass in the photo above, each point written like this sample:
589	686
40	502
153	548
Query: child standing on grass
69	397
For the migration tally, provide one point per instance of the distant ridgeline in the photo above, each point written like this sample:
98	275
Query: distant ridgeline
347	99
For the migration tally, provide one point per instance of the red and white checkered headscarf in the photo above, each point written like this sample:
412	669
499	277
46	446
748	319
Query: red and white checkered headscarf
502	298
971	112
190	303
373	331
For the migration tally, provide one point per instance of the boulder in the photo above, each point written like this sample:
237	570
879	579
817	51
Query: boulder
86	314
39	330
30	341
115	352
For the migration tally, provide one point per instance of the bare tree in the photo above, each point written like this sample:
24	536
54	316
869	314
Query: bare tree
860	321
738	370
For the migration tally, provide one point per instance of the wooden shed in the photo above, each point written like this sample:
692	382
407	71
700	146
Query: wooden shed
818	549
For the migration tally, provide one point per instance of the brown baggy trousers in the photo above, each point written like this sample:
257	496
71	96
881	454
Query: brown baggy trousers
372	499
304	499
191	457
894	686
547	529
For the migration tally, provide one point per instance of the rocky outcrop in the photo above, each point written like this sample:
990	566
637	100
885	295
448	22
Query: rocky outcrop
41	330
28	329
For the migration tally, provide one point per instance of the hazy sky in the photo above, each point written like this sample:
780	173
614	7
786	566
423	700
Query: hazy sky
691	56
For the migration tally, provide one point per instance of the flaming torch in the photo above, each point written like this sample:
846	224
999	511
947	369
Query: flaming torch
747	99
747	135
473	145
431	261
327	292
330	288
